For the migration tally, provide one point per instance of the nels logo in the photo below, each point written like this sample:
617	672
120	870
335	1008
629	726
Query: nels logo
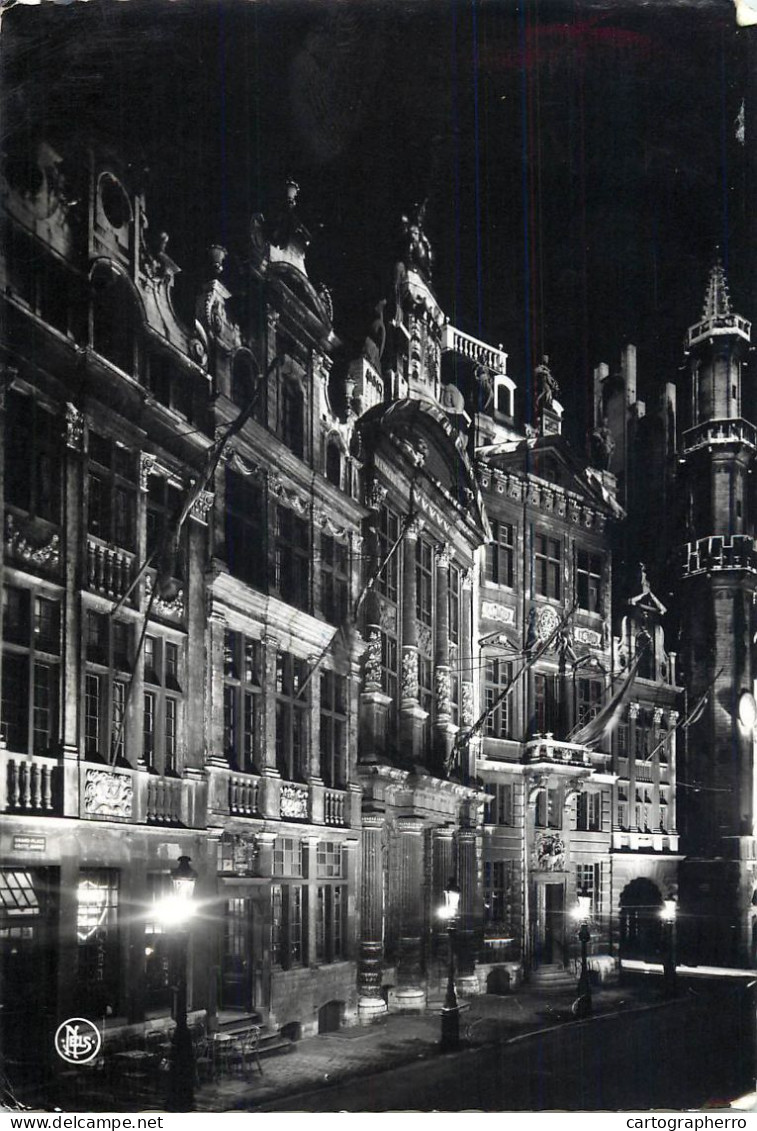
77	1040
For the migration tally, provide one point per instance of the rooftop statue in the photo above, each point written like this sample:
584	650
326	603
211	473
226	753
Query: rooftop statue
602	445
418	254
546	386
373	346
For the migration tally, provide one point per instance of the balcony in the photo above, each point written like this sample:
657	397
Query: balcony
163	805
109	570
479	352
243	795
30	784
718	325
719	552
137	797
335	808
728	431
546	749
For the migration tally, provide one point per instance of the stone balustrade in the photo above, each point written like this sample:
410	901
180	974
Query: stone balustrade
334	807
732	430
109	570
163	801
544	748
719	552
30	784
244	791
467	346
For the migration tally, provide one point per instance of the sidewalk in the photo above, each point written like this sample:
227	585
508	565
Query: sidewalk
318	1062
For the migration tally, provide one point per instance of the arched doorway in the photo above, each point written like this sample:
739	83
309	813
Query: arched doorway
640	923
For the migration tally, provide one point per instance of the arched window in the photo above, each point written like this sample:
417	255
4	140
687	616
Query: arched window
114	320
334	463
645	651
292	417
243	379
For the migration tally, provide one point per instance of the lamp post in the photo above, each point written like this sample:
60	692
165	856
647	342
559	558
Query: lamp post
176	911
669	914
450	1010
583	914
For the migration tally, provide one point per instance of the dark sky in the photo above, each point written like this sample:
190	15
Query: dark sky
579	159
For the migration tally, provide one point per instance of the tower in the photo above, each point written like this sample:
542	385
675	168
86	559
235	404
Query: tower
717	583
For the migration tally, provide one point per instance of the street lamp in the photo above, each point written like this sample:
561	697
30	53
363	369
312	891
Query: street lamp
669	914
176	911
450	1009
583	914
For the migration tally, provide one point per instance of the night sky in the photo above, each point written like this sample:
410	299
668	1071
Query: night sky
580	160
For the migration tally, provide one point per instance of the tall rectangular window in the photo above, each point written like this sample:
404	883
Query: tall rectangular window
112	492
500	555
163	704
292	558
589	811
546	703
589	693
388	533
333	736
31	672
389	677
288	926
242	701
291	717
334	579
164	503
499	811
453	600
108	654
547	566
589	882
499	892
32	458
246	531
329	923
497	676
424	564
588	581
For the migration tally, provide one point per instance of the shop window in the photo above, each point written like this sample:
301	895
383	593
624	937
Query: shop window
97	941
499	893
330	907
288	926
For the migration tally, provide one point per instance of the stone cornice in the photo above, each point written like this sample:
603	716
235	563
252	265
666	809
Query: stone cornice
545	496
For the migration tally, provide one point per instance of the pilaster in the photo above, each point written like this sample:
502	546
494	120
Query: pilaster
406	887
371	1003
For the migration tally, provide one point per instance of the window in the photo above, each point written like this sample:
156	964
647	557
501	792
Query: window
453	604
246	384
334	580
548	809
31	671
499	893
641	737
164	502
246	531
162	704
388	533
287	933
589	694
242	701
114	320
32	458
97	964
589	811
546	703
589	882
622	740
497	676
334	464
292	417
500	555
499	811
333	729
330	907
157	944
588	581
424	559
291	717
292	558
645	651
287	856
389	665
108	652
547	566
328	860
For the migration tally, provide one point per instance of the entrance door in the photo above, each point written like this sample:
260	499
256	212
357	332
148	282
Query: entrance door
237	958
554	922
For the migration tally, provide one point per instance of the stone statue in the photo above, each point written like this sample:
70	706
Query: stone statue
418	254
602	445
546	386
373	346
484	386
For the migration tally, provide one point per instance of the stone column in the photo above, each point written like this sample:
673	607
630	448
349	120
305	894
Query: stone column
672	721
270	786
443	869
374	703
412	715
470	900
371	1003
444	729
407	887
71	612
633	717
467	684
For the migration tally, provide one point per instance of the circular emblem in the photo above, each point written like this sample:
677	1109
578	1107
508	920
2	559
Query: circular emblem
547	621
77	1041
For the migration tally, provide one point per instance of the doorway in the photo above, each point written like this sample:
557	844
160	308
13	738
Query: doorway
237	983
554	922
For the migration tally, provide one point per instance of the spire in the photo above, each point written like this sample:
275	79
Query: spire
717	301
718	317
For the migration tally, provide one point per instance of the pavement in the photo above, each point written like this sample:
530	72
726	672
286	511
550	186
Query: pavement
399	1039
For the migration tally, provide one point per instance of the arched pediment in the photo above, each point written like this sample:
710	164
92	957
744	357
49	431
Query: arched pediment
302	290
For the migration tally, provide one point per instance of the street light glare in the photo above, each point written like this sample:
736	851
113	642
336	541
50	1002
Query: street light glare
175	910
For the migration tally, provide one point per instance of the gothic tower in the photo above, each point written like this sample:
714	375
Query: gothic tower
717	583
